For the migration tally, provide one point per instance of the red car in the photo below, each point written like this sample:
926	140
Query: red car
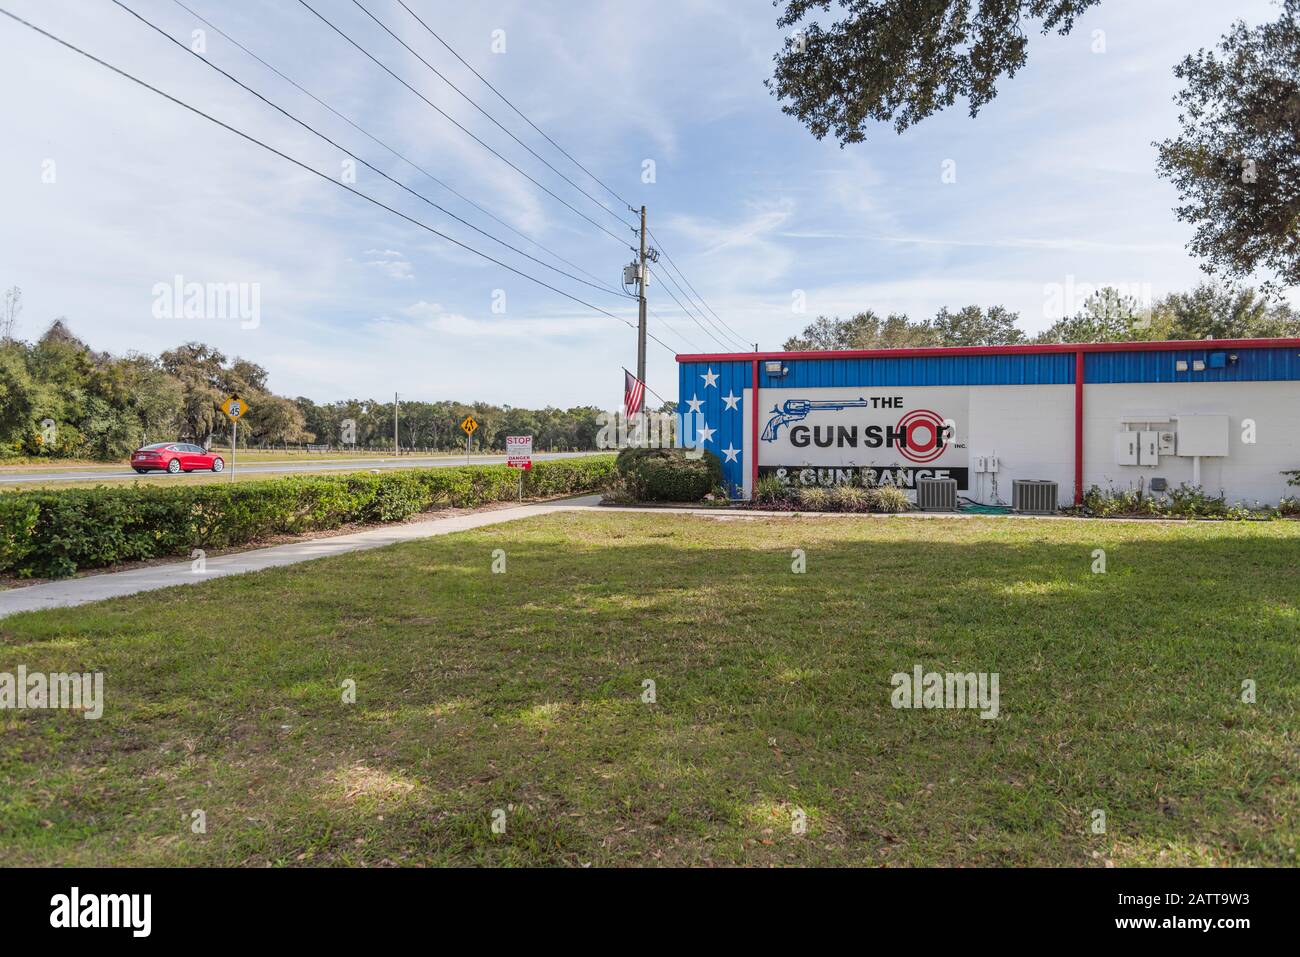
174	457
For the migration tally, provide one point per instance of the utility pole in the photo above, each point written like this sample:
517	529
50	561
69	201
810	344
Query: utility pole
396	449
640	325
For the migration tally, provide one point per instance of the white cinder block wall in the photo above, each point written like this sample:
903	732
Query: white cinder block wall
1249	472
1031	428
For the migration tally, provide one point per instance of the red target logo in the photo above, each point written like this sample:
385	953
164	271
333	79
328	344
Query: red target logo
924	435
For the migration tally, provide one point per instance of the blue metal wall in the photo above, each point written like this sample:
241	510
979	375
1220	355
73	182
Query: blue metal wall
728	424
1252	365
1038	369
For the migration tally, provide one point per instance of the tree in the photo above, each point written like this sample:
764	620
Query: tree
1236	164
1224	312
10	309
970	326
866	330
277	420
973	326
199	369
1107	316
17	396
902	60
1209	311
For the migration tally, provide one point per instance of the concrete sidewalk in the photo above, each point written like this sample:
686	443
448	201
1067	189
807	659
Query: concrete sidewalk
79	591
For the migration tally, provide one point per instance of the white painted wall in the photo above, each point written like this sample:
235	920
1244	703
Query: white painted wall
1031	429
1248	473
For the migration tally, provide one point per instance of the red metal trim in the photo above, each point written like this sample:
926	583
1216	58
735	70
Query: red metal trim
753	435
1208	345
1078	427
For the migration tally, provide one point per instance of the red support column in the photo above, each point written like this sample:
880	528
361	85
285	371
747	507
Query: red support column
1078	428
753	435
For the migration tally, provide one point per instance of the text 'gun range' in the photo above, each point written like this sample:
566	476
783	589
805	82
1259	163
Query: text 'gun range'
796	410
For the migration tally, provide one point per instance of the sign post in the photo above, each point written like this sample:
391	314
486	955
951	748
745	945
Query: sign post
469	426
519	455
235	409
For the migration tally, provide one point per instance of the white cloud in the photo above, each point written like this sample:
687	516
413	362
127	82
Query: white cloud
1055	179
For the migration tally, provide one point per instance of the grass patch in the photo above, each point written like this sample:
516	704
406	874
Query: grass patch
523	692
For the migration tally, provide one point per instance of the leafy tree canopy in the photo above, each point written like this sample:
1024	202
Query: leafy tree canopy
1209	311
899	61
1236	161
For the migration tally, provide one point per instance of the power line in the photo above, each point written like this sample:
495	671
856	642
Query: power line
504	99
409	162
678	331
690	312
674	265
360	6
163	33
315	172
451	119
720	324
726	346
690	342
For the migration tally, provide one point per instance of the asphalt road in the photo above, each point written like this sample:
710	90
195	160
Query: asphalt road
281	468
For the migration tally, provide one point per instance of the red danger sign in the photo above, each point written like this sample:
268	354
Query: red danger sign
519	451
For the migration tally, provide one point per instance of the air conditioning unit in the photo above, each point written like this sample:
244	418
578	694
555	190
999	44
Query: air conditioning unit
936	495
1034	496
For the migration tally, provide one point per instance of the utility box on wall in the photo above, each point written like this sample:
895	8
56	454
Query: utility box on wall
1126	448
1202	435
1148	448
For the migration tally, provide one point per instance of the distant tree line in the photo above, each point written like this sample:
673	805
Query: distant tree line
436	425
1108	315
60	398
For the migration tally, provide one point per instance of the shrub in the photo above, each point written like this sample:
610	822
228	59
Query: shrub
771	490
616	492
668	475
850	498
814	499
1191	501
1186	501
888	498
55	532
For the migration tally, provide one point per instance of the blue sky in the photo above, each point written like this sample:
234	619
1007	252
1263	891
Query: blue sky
1055	189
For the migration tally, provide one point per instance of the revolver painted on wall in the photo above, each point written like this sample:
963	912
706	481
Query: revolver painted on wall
796	410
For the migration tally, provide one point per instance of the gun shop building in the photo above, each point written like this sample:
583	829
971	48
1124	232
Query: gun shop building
1224	415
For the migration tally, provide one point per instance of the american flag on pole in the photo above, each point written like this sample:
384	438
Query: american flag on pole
633	393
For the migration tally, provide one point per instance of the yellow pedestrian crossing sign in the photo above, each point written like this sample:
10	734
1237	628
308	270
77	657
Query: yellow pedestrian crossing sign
469	425
234	407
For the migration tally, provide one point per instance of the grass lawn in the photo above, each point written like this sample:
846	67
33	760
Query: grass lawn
523	691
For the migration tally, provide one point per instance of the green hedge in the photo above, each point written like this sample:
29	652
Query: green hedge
668	475
53	533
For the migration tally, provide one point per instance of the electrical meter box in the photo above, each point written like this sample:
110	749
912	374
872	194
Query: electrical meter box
1202	435
1148	448
1126	448
1166	444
